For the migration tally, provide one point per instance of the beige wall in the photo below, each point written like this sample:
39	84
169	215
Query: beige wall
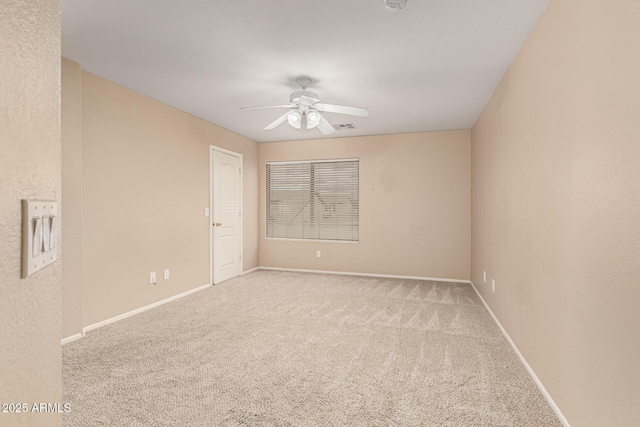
414	206
145	169
29	169
556	207
71	198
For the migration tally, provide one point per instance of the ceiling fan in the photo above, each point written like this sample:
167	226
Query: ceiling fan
305	108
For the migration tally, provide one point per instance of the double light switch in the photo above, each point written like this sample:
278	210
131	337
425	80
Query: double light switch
39	235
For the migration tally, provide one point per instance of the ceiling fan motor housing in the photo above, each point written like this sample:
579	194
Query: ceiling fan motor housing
395	5
295	97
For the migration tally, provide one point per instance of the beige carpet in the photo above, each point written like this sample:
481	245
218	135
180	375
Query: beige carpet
295	349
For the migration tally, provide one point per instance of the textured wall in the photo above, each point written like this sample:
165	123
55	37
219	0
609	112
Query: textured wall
71	198
145	169
414	206
556	207
29	168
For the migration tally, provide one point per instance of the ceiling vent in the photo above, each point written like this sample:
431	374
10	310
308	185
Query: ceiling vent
345	126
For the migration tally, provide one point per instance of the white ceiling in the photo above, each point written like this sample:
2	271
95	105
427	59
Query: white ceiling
430	67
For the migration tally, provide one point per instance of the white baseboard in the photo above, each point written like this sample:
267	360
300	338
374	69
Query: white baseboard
528	367
72	338
386	276
250	271
141	309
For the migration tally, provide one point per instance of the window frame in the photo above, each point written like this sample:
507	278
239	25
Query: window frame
287	162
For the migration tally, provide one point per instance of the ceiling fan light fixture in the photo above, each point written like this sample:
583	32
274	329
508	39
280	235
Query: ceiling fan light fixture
313	119
295	118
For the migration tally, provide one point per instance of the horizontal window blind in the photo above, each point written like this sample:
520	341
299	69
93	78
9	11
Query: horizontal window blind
316	200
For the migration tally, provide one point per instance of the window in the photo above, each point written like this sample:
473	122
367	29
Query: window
315	200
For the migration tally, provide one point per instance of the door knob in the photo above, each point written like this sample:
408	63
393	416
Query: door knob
216	224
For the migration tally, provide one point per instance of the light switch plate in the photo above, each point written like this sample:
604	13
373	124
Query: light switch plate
39	235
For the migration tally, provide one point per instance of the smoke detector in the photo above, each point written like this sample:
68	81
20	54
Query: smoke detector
395	5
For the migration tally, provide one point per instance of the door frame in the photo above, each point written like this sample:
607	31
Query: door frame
213	148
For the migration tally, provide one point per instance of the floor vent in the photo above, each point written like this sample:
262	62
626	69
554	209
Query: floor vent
344	126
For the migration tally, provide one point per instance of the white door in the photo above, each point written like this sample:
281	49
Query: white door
226	221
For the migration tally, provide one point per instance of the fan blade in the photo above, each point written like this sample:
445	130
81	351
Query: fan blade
342	109
277	121
268	106
325	127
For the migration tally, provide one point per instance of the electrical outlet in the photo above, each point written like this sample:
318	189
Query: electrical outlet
484	276
152	278
493	285
166	274
317	254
